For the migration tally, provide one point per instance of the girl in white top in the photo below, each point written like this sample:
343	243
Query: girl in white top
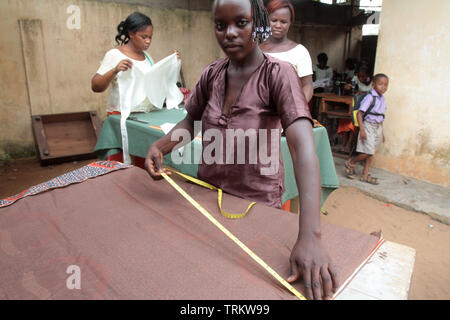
134	38
321	70
281	16
362	80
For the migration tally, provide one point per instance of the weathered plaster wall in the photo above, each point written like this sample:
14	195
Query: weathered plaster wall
413	49
333	40
67	59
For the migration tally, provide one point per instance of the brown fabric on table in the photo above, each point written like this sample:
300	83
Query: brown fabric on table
135	238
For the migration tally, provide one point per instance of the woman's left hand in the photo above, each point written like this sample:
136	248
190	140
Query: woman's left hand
178	54
310	260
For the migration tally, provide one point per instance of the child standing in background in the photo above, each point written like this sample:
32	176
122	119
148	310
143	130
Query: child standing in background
371	133
363	81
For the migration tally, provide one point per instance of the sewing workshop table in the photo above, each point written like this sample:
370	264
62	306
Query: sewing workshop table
332	108
386	275
328	104
141	135
107	234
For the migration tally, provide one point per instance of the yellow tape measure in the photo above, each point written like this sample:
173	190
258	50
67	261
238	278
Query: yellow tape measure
219	197
232	237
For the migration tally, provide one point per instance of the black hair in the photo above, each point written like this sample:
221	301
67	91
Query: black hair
364	69
134	22
322	57
261	22
350	62
378	76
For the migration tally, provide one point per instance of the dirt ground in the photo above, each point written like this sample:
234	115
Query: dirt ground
346	207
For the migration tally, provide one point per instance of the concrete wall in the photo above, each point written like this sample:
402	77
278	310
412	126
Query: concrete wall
413	49
323	28
47	68
333	40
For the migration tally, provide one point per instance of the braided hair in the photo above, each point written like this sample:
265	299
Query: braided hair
261	22
134	22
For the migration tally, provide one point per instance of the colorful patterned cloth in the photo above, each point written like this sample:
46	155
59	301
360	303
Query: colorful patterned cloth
92	170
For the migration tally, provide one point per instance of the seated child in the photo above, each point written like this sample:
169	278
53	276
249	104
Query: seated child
323	74
362	80
350	69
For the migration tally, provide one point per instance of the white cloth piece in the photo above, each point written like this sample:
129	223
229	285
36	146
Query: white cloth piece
299	57
110	61
166	127
324	83
157	84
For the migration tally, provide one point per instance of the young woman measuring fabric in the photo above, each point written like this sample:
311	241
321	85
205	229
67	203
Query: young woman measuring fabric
250	90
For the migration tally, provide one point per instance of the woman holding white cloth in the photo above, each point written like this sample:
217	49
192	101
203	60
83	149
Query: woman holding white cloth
123	69
134	38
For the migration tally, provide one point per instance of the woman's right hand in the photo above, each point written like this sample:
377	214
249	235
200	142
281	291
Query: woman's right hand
123	65
153	163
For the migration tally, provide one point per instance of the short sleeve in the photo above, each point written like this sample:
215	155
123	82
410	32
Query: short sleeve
304	66
286	94
196	102
366	102
109	62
